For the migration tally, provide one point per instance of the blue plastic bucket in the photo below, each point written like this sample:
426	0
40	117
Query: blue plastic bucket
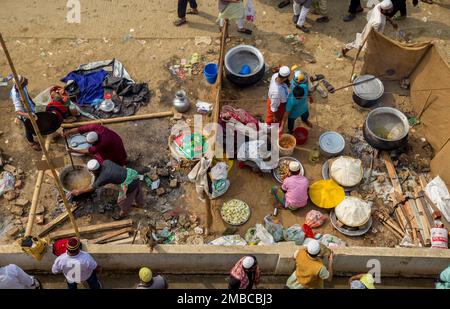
210	72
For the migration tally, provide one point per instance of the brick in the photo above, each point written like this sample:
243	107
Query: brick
13	231
160	191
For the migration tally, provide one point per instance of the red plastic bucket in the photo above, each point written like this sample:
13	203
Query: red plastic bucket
301	135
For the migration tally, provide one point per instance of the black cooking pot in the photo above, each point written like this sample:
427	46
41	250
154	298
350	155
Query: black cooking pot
386	128
242	55
367	94
47	122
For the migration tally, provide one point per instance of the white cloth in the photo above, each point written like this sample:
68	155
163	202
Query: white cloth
301	7
13	277
199	175
278	93
17	100
375	20
69	266
438	193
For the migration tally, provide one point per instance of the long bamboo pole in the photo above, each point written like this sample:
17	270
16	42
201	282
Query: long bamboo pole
36	193
210	204
117	119
40	139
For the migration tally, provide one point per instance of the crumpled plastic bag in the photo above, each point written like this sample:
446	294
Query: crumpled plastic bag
220	183
7	182
265	238
331	241
229	240
315	218
294	233
250	236
274	228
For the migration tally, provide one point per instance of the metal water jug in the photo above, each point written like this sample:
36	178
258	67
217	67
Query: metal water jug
181	102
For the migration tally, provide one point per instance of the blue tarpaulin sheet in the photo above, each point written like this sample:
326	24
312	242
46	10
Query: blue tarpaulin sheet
90	85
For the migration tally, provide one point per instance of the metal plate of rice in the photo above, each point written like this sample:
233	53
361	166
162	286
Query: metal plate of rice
235	212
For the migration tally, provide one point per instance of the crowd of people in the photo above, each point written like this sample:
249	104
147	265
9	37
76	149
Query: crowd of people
79	267
235	10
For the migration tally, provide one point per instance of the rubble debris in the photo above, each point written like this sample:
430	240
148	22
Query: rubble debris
173	183
19	184
39	219
17	210
9	168
13	231
10	195
21	202
160	191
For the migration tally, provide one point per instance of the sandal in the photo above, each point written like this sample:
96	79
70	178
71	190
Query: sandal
317	77
245	31
36	146
119	216
180	22
284	3
329	87
192	12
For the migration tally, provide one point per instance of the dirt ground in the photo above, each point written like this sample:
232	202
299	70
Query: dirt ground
44	48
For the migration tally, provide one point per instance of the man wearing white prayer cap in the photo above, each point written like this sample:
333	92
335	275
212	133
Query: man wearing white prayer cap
376	20
277	96
105	143
126	180
293	194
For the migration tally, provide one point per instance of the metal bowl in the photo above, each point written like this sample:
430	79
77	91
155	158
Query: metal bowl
386	128
276	174
239	56
69	169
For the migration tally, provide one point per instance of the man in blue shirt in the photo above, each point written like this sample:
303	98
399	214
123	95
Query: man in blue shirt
297	103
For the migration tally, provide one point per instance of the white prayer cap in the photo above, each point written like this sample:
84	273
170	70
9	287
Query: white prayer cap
248	262
93	165
386	5
313	247
284	71
294	166
92	137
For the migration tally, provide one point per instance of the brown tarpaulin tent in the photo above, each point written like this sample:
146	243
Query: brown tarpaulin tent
429	76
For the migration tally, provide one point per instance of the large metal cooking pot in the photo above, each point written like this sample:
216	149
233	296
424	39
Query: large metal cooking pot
90	178
367	94
386	128
238	57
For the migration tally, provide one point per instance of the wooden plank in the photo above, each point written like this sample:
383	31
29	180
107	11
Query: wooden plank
417	221
122	241
117	119
118	237
111	235
92	228
424	219
59	219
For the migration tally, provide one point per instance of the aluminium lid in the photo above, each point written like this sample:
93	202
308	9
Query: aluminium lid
370	90
332	142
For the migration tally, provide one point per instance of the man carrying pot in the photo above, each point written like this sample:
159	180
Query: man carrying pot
126	179
106	144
